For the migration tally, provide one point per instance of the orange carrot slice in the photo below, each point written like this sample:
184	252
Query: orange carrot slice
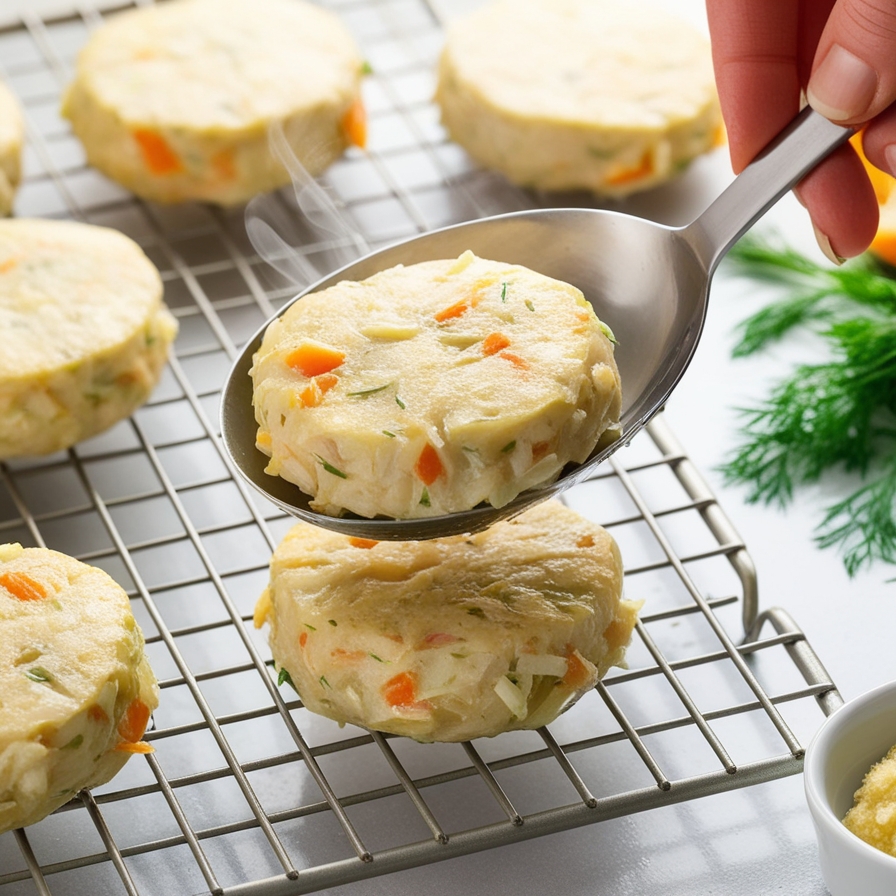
354	124
22	586
134	721
540	449
576	671
452	311
347	656
362	542
311	395
311	359
515	359
158	156
224	164
303	639
97	714
493	343
8	265
140	746
401	689
429	465
628	175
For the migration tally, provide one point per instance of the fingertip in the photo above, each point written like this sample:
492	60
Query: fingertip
841	203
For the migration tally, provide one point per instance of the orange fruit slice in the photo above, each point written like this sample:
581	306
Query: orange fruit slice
884	243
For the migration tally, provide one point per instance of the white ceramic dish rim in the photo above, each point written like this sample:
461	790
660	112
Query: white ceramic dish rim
856	713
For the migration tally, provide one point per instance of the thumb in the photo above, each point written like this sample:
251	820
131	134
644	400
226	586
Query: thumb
854	73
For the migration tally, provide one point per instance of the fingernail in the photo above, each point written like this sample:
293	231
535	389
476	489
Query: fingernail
890	156
798	197
843	86
825	245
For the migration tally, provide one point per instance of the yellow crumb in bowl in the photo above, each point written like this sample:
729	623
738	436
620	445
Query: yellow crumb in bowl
873	816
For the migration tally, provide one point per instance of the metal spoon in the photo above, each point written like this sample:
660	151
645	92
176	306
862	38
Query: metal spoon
648	282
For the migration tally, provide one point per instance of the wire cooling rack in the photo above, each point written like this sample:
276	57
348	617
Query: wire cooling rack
246	791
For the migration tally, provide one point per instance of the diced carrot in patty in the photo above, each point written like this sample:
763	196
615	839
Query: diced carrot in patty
362	542
158	156
311	359
22	586
140	746
515	359
452	311
540	449
628	175
576	671
429	465
493	343
97	714
133	723
311	395
224	164
401	689
354	124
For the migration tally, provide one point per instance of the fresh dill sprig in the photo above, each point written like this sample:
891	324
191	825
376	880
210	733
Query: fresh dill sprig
835	415
818	295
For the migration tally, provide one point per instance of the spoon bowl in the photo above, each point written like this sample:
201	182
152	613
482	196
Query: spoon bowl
648	282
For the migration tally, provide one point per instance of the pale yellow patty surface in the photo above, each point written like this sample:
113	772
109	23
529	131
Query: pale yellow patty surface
174	100
611	96
12	135
453	638
439	385
84	331
76	689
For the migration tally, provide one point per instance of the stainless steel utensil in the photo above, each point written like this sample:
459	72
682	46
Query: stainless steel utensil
648	282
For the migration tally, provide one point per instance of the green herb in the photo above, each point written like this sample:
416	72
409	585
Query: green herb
399	402
508	447
608	333
838	415
424	498
333	622
366	68
330	468
504	291
38	673
387	433
323	682
364	393
373	656
529	305
284	677
309	626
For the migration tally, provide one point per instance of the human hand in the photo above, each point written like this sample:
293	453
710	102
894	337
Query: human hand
842	55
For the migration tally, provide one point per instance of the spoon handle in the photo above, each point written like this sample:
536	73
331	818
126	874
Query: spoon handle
807	140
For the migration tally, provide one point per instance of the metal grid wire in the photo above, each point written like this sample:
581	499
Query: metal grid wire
246	791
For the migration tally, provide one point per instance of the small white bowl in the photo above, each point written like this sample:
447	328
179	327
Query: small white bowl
849	742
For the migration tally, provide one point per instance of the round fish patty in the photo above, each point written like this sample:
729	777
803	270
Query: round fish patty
12	136
453	638
430	388
76	691
84	331
174	100
567	94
